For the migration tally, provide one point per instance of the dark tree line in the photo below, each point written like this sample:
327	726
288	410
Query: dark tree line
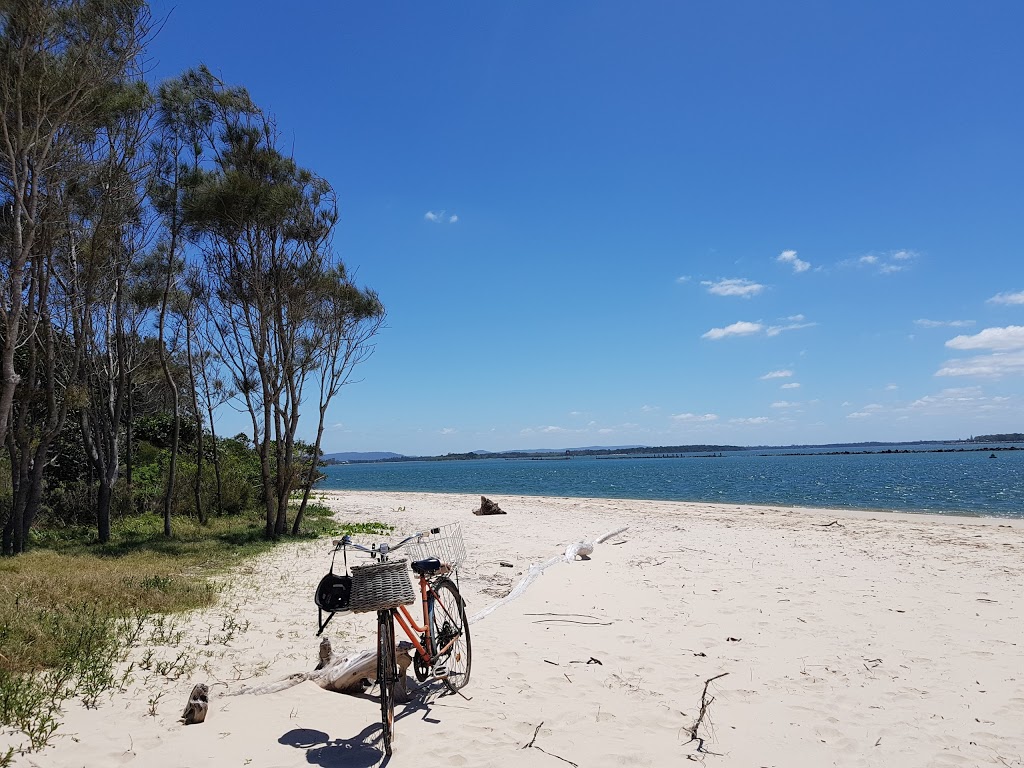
162	259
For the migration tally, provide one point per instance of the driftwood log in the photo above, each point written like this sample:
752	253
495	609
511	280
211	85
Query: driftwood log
352	672
488	507
197	706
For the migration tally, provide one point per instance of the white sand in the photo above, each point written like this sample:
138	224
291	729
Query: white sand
883	640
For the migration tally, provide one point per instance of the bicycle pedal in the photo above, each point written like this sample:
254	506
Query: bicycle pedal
440	671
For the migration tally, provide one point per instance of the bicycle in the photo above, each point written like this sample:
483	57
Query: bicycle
442	642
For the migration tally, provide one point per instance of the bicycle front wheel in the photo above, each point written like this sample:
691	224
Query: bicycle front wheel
387	674
450	629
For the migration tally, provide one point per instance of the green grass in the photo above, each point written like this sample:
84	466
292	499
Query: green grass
71	607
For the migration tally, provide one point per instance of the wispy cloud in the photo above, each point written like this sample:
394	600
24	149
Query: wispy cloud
649	408
440	217
694	417
740	328
751	420
884	263
448	431
792	323
746	328
1007	298
785	404
945	323
790	257
995	365
791	385
783	374
998	339
739	286
683	279
960	400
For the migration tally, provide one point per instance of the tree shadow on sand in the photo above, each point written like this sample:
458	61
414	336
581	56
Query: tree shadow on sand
361	750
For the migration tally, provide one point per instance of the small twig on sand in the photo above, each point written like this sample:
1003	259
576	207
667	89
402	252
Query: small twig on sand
705	702
531	744
573	621
829	525
535	732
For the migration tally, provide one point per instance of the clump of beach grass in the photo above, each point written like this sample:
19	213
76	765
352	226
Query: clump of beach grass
71	608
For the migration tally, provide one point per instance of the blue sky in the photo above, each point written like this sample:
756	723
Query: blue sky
598	223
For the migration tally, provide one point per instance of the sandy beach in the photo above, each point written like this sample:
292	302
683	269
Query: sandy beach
837	638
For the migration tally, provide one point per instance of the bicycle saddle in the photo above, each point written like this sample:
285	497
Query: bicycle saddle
426	567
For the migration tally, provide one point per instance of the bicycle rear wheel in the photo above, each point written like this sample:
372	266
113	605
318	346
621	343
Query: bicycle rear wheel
449	625
387	674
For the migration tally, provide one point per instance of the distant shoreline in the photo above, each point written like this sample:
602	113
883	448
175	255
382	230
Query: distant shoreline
704	451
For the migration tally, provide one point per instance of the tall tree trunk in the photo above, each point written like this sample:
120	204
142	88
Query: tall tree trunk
103	497
198	485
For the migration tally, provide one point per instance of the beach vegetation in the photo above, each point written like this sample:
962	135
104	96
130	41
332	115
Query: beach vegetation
163	259
73	608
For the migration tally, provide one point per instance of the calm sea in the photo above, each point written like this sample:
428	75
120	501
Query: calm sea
968	482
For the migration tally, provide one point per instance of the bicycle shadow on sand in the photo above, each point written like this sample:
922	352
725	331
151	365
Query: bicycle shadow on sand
363	749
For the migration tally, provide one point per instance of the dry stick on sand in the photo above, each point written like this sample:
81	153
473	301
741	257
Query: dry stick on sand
705	702
534	746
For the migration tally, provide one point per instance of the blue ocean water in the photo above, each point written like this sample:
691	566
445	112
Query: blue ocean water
954	482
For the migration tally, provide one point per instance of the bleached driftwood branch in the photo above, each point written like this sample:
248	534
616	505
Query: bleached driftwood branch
580	548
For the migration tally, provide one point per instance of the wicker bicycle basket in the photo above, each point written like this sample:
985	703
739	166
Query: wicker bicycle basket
445	543
380	586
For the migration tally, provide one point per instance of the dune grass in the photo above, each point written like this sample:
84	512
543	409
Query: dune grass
70	608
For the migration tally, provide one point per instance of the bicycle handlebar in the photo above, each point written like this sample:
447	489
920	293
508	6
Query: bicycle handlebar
382	549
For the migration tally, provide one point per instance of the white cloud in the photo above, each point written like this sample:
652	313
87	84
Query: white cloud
649	408
1007	298
885	263
741	328
440	217
745	328
777	375
784	404
791	385
891	387
994	365
858	415
448	431
998	339
683	279
789	257
694	417
739	286
957	399
945	323
795	322
751	420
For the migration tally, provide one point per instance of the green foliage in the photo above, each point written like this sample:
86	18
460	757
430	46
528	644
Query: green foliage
158	428
69	613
